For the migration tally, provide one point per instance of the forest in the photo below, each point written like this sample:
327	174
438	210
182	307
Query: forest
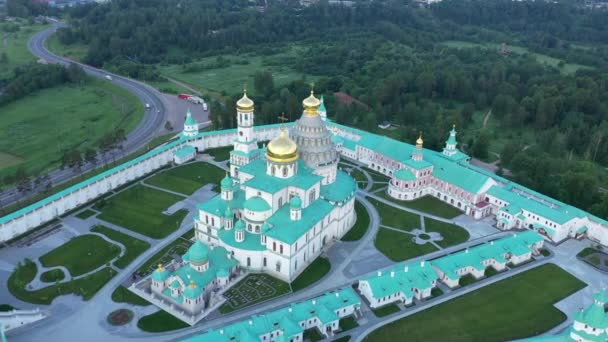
539	68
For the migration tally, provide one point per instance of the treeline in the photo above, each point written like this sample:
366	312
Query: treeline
29	8
33	77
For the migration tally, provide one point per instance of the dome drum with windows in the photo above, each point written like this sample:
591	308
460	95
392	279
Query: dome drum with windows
282	149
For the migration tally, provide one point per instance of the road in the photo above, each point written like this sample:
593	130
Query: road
150	125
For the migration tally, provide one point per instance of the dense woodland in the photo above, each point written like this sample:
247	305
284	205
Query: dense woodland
390	57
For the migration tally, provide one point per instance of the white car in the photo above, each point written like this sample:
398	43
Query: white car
108	77
148	106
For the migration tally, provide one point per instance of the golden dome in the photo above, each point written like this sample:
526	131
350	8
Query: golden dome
282	148
244	104
311	104
419	140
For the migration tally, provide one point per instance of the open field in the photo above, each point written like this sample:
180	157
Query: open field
140	209
568	68
452	234
75	51
188	178
37	129
399	246
525	301
134	246
81	254
14	44
229	76
160	321
253	289
122	295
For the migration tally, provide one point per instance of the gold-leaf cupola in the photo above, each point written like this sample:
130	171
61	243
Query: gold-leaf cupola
311	104
282	149
244	104
419	141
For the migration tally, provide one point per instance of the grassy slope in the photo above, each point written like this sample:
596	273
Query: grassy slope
396	218
134	246
511	309
315	271
399	246
39	127
361	225
16	48
452	234
187	178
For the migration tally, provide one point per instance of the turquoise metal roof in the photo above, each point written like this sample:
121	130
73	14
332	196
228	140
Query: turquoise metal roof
304	179
295	202
289	231
405	175
189	119
252	242
185	151
198	252
402	278
340	191
256	203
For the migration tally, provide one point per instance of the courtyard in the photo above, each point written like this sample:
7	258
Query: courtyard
254	288
188	178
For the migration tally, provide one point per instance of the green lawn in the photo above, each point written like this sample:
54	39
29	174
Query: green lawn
86	287
35	130
342	339
452	234
253	289
76	52
427	204
586	252
81	254
123	295
6	307
14	44
386	310
85	214
360	226
359	177
313	335
348	323
134	246
160	321
52	276
396	218
221	153
315	271
179	246
514	308
399	246
168	87
140	208
186	179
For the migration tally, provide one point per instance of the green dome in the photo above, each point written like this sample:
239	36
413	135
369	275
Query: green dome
226	182
256	203
192	291
240	225
228	213
222	273
198	252
295	202
160	274
175	284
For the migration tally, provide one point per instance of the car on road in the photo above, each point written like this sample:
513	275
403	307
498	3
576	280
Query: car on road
148	106
108	77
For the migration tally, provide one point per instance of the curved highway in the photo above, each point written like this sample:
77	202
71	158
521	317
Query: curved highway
152	121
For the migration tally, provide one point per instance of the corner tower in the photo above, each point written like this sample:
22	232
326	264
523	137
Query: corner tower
450	144
316	148
245	144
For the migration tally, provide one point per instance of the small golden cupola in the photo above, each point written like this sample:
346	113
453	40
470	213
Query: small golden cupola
311	104
419	141
282	149
244	104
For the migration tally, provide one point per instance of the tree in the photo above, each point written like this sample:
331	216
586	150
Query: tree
3	58
480	147
263	83
425	83
90	156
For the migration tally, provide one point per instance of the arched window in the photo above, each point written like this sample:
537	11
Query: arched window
249	227
264	261
248	261
213	221
274	246
284	171
257	229
281	249
280	201
273	170
278	267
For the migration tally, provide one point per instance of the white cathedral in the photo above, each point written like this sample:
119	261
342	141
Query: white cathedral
283	204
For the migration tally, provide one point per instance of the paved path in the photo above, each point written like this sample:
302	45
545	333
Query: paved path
163	189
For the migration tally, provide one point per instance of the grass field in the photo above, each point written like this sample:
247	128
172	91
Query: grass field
52	276
76	52
81	254
160	321
396	218
186	179
86	287
568	68
230	78
253	289
221	153
178	246
386	310
37	129
452	234
122	295
427	204
361	225
314	272
399	246
525	301
140	208
6	307
14	44
134	246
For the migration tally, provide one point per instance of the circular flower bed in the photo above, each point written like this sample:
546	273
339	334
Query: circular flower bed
424	236
120	317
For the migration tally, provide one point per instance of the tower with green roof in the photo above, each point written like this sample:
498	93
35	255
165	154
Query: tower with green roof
190	126
450	144
245	144
322	110
591	324
227	187
295	208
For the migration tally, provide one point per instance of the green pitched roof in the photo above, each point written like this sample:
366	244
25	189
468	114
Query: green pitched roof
304	179
189	119
404	175
185	152
343	189
286	230
252	242
402	278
